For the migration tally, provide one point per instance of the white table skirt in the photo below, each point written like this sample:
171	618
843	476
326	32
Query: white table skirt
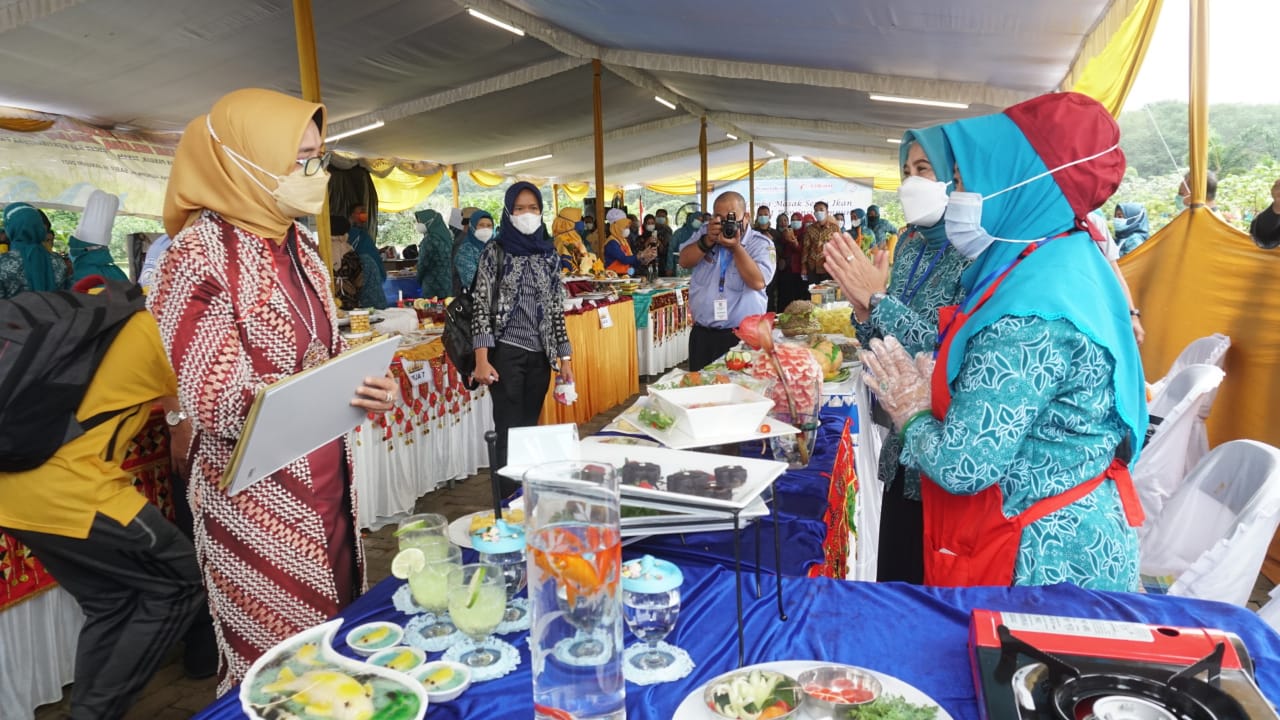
390	475
37	651
657	357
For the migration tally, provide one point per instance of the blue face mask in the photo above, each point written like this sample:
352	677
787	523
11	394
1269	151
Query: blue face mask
662	219
820	215
795	224
580	226
1117	225
695	223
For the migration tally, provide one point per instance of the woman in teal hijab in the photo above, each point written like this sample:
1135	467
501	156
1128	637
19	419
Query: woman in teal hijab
1037	398
435	273
375	273
28	265
467	259
904	305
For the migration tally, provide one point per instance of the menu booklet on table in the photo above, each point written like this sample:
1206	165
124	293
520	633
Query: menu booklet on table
297	414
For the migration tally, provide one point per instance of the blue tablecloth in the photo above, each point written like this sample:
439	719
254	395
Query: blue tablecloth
917	634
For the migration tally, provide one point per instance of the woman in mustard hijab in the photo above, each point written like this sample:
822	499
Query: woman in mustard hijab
242	301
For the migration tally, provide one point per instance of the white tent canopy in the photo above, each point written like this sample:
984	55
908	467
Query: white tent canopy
796	78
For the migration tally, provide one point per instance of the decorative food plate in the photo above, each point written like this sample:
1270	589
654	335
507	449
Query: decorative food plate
676	438
693	708
305	678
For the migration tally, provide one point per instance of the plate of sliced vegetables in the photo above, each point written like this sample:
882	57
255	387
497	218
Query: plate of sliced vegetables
898	700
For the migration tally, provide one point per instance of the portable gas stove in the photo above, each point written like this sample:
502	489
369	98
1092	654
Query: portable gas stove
1041	667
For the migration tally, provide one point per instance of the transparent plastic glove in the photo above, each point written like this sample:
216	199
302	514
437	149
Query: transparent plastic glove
900	383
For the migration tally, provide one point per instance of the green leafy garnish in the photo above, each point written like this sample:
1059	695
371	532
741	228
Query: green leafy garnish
892	707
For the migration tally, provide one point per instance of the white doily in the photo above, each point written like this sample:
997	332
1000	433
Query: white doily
571	651
521	623
413	636
508	657
681	664
403	602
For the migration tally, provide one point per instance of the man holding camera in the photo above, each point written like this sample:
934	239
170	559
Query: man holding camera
732	265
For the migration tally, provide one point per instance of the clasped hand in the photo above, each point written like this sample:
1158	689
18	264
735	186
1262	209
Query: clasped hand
900	383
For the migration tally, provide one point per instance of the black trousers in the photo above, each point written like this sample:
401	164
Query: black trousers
139	587
901	547
706	344
523	379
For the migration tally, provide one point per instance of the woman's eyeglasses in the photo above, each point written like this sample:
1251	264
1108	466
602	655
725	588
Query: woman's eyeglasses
313	165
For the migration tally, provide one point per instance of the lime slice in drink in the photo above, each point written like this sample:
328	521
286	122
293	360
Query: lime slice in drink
408	562
476	581
415	525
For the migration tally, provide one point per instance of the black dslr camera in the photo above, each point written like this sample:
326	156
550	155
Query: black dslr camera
729	227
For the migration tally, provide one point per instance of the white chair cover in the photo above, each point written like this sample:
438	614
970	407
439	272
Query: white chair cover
1270	613
1209	350
866	462
1214	533
1163	465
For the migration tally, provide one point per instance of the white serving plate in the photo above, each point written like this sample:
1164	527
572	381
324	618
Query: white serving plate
693	709
736	410
676	438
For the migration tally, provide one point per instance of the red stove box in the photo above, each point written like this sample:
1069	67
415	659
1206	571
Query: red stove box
1042	667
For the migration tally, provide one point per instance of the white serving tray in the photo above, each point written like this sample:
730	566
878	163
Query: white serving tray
676	438
760	475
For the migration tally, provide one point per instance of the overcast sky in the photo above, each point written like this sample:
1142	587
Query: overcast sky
1243	52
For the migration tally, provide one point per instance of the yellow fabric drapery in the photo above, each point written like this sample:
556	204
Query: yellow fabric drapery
1109	75
576	192
484	178
400	191
884	177
687	185
606	371
1198	276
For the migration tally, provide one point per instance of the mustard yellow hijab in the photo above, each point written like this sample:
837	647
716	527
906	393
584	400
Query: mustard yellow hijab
262	125
615	233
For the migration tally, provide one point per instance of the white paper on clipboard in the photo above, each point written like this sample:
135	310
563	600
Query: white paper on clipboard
302	412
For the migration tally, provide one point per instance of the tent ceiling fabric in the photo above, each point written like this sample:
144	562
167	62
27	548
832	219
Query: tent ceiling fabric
453	89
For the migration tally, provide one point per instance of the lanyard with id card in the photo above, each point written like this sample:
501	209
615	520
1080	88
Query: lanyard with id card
721	307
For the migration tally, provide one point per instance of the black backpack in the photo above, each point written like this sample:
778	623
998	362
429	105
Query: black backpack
459	341
50	346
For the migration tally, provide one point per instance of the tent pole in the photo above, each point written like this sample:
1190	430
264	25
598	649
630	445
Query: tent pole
1198	105
702	151
751	177
309	73
457	194
597	112
786	185
555	198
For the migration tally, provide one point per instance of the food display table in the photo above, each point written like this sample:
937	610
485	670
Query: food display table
604	362
434	434
662	330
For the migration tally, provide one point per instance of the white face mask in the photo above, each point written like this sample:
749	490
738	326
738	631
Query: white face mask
650	227
820	215
420	227
923	200
626	232
296	195
527	223
856	222
964	213
483	234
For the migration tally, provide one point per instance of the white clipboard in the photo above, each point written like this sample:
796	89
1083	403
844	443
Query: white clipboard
293	416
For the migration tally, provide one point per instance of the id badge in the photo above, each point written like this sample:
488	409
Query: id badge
722	310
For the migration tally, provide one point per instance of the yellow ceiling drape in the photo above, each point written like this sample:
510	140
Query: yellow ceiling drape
885	177
484	178
18	124
576	191
1108	76
684	185
400	191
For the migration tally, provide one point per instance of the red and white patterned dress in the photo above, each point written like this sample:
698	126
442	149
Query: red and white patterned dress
272	555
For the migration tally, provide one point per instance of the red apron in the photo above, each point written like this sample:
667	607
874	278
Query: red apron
967	538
